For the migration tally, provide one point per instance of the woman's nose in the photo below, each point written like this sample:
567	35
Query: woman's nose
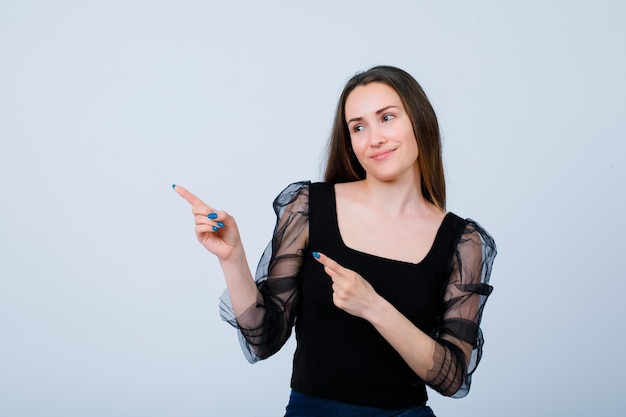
377	136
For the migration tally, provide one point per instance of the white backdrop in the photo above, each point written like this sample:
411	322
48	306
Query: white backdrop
108	305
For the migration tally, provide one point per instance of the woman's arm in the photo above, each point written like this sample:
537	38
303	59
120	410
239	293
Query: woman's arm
261	308
217	231
266	323
446	360
460	340
356	296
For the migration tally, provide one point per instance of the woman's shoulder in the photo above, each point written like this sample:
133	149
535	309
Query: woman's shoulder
470	230
296	186
305	186
294	193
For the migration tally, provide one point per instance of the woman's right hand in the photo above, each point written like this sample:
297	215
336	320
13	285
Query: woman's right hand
216	230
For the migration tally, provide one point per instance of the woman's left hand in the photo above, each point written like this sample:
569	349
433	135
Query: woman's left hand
351	292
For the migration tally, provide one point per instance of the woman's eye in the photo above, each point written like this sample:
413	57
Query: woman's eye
388	117
357	128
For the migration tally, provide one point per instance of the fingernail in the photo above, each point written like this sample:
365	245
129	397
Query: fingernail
173	185
215	228
316	255
212	215
220	224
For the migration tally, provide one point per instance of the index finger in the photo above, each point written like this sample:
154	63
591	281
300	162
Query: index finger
329	263
184	193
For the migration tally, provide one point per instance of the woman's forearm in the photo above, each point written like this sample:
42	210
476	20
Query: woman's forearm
416	347
242	289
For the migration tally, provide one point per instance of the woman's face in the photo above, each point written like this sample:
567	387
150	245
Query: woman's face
381	132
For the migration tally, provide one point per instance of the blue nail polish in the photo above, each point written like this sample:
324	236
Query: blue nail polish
212	216
220	224
215	228
316	255
173	185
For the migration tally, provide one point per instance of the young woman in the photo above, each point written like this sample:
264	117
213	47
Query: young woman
386	289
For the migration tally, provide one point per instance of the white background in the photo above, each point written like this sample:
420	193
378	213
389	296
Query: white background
108	305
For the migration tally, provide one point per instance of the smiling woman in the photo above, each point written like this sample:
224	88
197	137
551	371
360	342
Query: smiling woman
381	132
385	288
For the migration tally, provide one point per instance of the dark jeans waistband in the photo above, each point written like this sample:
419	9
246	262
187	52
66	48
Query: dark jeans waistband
301	405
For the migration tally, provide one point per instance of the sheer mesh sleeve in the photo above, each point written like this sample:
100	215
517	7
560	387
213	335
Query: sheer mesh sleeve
265	326
459	338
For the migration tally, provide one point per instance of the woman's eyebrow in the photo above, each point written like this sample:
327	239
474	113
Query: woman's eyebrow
358	119
385	109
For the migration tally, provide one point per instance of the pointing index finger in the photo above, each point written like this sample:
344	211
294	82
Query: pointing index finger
191	199
326	261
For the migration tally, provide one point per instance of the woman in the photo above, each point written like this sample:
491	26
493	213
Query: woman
386	288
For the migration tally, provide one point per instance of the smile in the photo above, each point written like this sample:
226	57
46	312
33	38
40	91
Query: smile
382	155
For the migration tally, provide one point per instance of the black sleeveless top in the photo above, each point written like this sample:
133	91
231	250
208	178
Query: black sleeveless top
343	357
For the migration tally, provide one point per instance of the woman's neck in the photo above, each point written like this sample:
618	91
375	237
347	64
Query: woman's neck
397	198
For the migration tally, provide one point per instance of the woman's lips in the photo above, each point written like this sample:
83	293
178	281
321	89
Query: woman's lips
382	155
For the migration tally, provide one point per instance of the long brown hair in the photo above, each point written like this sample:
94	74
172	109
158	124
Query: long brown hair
342	164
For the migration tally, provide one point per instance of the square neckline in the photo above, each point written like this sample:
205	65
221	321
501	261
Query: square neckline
447	217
